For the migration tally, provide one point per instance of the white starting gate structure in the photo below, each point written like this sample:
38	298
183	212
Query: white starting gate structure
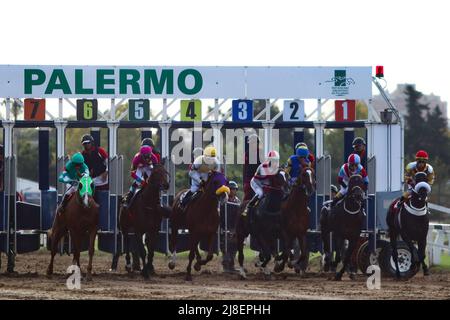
142	86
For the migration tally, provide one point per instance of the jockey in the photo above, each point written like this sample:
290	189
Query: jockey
296	162
311	158
261	179
420	165
96	159
353	166
149	142
359	148
75	168
141	168
199	171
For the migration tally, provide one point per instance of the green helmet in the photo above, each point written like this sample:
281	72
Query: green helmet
78	158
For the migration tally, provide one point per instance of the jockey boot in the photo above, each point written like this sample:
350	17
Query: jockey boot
126	200
251	204
186	199
63	204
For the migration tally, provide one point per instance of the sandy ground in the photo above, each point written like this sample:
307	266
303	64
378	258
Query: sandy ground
210	283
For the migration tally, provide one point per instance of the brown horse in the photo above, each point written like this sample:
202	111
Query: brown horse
80	217
263	223
295	219
144	216
411	221
344	222
201	217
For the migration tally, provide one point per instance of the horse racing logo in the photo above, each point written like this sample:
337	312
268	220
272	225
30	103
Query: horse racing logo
341	83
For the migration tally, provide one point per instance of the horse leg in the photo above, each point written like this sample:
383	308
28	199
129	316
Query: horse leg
280	260
304	254
210	254
151	242
193	244
339	245
92	235
393	240
421	248
347	257
76	240
240	248
265	254
173	246
141	249
326	238
56	235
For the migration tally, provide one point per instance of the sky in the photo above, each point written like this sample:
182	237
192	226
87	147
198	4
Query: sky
409	38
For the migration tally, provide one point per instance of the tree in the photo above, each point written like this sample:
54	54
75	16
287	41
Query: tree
415	124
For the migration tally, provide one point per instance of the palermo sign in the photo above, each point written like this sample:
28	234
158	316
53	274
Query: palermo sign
22	81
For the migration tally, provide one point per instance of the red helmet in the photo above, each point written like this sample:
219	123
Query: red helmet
421	155
145	150
354	159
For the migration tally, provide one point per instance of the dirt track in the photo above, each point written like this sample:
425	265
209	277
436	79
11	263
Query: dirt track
32	283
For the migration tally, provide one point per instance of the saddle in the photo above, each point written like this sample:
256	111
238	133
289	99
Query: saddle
193	197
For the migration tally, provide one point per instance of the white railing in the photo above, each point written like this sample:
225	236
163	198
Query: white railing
438	242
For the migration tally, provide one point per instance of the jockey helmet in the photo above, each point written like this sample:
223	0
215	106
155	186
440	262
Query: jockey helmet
87	138
302	152
301	144
148	142
145	150
210	151
334	188
357	141
273	155
353	159
233	185
78	158
421	155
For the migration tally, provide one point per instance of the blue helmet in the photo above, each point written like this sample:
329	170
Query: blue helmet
302	152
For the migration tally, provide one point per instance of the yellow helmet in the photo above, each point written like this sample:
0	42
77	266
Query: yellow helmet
210	151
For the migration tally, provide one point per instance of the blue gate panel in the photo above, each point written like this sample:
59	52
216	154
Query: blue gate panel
28	242
106	242
48	208
383	200
3	212
28	216
102	198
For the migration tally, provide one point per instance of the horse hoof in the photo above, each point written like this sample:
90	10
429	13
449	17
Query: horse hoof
426	272
267	277
242	277
197	267
88	278
352	276
188	277
129	269
171	265
337	277
145	273
278	268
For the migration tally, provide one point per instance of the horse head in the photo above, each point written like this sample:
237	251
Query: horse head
160	177
216	186
85	190
356	188
306	180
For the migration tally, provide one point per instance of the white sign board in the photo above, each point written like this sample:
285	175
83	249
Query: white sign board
20	81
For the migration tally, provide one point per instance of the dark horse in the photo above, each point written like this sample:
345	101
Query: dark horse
263	223
410	221
79	217
345	222
295	219
144	216
201	217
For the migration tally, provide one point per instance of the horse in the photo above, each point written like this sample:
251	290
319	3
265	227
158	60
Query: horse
81	215
201	217
345	222
295	219
411	221
263	223
144	216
